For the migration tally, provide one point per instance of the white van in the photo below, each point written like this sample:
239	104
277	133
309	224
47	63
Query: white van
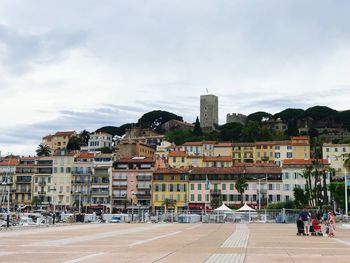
26	221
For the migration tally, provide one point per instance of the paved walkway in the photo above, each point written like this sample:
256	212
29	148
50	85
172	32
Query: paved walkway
173	243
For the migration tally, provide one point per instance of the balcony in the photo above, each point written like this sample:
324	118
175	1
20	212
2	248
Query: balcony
215	192
41	183
143	186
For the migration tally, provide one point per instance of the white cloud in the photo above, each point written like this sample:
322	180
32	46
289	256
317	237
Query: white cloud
77	56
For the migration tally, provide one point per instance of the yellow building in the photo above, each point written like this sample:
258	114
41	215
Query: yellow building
58	141
217	161
170	189
301	147
265	152
243	152
223	149
177	159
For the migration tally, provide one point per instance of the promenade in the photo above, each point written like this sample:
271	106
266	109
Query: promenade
172	243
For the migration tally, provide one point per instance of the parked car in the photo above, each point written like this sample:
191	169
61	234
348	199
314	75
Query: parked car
115	219
339	216
26	221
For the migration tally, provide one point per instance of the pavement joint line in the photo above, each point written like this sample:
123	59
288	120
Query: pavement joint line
154	238
84	238
84	258
232	258
341	241
190	228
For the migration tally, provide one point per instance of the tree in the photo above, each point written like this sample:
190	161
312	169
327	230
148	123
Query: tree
241	185
197	131
104	150
258	116
43	150
169	203
251	131
73	143
84	138
36	201
337	190
155	119
300	197
230	131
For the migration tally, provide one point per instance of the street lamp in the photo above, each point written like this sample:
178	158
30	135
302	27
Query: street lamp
132	206
78	192
259	179
346	194
53	189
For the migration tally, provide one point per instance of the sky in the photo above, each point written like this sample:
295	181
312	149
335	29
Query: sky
83	64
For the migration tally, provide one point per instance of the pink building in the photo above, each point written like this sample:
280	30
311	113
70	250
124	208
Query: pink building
221	182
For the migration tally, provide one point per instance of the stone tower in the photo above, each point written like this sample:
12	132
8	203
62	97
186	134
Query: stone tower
209	112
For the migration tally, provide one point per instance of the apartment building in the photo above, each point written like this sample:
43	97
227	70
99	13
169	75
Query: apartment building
82	179
132	181
222	185
336	154
223	149
7	176
292	171
25	170
101	184
97	141
170	189
59	140
129	149
205	148
243	152
43	184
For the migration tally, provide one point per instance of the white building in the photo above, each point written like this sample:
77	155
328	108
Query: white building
292	176
98	140
336	154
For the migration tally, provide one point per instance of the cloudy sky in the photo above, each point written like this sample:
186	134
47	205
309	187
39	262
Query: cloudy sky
83	64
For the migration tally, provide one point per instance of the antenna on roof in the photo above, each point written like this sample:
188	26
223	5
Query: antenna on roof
207	91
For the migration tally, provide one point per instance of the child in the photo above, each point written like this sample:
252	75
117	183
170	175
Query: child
316	227
331	227
300	227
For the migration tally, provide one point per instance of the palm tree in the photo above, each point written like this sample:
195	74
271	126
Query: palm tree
43	150
84	138
36	201
169	203
241	185
347	164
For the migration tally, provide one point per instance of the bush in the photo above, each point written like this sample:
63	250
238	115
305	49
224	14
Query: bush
280	205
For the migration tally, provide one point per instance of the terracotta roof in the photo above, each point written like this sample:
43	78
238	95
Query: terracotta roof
8	162
171	171
135	160
303	162
85	155
65	133
287	142
335	145
244	144
217	159
48	137
237	170
198	143
223	144
177	154
300	137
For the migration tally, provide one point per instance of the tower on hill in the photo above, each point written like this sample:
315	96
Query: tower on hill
209	112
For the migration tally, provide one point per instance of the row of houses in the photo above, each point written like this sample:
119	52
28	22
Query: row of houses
98	181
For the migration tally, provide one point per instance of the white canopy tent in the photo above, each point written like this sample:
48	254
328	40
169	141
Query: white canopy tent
223	208
245	208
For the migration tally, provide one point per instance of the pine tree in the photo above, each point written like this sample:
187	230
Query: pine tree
197	128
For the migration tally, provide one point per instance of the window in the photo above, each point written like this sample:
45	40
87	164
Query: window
232	187
156	197
178	197
192	197
289	155
327	150
278	187
271	187
171	188
336	150
258	154
49	180
199	197
207	198
174	159
67	189
344	150
68	170
277	155
182	159
55	170
62	170
278	198
286	176
286	187
289	147
192	186
199	186
223	186
277	147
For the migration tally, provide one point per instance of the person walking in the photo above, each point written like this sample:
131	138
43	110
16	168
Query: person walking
305	216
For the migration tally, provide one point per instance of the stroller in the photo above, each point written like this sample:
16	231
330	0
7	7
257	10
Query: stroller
315	228
300	227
